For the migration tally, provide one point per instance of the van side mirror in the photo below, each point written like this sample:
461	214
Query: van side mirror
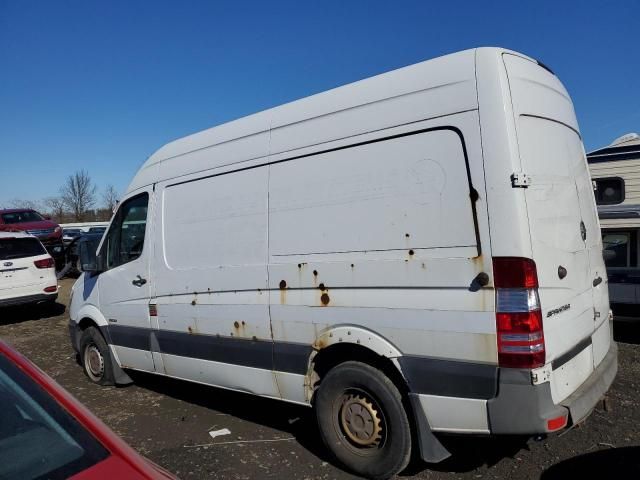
608	254
89	260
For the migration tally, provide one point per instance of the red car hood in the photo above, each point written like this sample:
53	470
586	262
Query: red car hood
40	225
114	467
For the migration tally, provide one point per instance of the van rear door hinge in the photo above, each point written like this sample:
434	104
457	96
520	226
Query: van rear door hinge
520	180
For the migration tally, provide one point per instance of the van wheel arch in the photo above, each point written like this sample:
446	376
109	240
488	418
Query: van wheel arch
87	322
333	355
120	377
425	445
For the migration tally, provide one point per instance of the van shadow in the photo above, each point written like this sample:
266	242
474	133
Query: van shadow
297	420
613	463
23	313
627	331
470	453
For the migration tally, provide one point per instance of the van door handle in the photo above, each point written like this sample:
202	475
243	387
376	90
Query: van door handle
597	281
138	282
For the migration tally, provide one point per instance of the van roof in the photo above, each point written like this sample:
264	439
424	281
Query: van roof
456	70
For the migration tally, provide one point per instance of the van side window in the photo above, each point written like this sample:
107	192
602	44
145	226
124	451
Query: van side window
125	238
609	191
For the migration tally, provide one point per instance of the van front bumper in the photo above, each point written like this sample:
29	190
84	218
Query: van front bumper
524	409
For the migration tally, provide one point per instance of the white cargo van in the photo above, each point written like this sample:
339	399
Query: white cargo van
414	253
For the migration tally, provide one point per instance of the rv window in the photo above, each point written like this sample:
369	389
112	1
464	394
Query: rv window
125	238
621	249
609	191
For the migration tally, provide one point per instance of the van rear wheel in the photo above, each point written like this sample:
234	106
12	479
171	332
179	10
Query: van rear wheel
362	420
96	357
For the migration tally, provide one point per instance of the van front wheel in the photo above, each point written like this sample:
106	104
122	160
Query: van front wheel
96	357
362	420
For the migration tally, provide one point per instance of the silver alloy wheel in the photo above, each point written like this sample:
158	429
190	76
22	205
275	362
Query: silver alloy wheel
93	362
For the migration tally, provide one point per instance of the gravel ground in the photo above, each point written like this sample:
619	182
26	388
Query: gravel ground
168	421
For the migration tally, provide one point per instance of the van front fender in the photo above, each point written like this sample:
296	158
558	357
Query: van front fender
92	313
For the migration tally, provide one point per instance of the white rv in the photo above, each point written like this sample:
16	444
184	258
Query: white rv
615	170
414	253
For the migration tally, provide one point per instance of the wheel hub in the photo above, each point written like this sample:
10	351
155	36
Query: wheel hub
94	362
360	420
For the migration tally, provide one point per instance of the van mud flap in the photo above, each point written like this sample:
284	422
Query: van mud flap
431	450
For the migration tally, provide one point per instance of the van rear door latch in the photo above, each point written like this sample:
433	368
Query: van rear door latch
520	180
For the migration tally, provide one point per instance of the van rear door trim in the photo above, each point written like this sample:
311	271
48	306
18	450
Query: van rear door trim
568	356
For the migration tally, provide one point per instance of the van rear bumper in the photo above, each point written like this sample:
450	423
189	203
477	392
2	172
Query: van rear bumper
524	409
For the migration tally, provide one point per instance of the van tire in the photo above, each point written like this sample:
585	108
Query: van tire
95	357
362	420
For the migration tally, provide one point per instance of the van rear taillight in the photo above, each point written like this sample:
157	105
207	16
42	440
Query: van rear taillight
518	316
45	263
514	272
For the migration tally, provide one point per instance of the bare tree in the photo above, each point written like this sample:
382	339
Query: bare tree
20	203
110	198
56	208
78	194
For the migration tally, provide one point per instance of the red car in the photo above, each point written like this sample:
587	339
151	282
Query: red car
30	221
46	433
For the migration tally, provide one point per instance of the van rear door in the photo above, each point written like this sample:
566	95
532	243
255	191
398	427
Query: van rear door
564	229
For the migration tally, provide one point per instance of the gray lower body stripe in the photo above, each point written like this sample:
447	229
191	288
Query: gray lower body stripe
425	375
449	378
237	351
131	337
281	356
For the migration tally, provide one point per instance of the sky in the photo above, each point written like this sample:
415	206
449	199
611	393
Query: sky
100	86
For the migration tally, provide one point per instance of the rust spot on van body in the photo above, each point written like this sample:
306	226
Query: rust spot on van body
324	299
283	296
283	284
239	329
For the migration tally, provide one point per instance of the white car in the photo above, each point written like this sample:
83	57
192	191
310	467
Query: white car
27	271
